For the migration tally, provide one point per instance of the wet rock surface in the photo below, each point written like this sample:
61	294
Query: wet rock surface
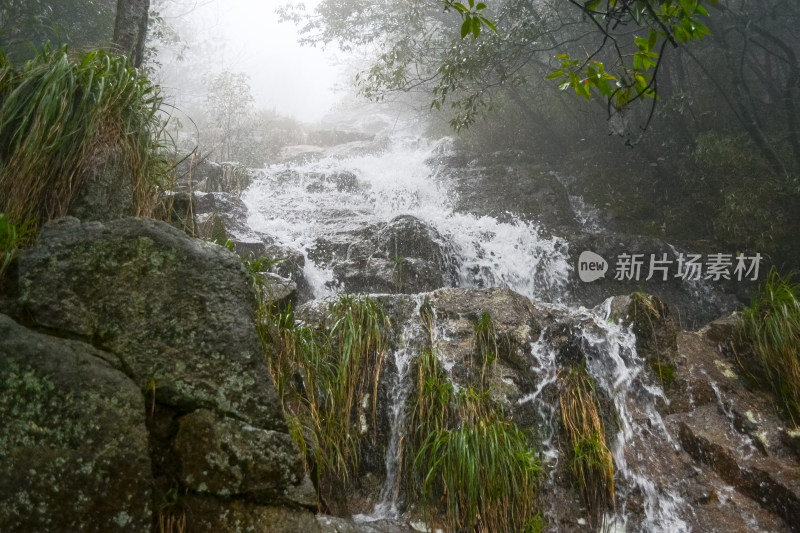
732	430
220	216
722	456
404	256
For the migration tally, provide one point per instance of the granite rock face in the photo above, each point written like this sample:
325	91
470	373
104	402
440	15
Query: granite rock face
404	256
73	442
175	312
136	395
226	457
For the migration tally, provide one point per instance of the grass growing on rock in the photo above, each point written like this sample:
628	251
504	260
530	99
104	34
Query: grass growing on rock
324	375
485	472
464	465
58	113
772	324
13	237
485	343
463	462
592	463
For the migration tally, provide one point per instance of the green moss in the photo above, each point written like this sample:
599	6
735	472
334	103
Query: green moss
664	371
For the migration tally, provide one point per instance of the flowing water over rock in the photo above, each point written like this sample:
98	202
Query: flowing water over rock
324	206
337	208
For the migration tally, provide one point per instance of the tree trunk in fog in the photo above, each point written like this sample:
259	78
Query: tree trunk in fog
130	29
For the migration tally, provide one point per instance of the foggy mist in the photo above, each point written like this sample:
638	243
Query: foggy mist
246	36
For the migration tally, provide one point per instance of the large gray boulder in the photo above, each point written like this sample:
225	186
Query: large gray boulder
175	312
73	442
404	256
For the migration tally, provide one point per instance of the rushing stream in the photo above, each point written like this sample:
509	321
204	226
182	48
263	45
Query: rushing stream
333	197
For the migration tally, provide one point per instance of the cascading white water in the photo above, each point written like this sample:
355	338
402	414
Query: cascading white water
617	370
400	390
300	203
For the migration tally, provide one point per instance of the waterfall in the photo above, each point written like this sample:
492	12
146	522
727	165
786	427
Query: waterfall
298	204
336	196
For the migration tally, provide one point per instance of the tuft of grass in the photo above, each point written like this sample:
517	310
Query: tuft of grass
427	318
429	412
485	472
324	374
57	113
13	237
171	523
772	324
462	458
485	343
592	463
535	524
398	275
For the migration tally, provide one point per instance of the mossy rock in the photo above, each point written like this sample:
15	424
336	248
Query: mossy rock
73	442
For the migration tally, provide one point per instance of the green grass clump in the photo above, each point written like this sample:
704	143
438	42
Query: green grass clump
12	238
485	472
772	324
323	374
664	371
59	115
592	463
468	467
485	343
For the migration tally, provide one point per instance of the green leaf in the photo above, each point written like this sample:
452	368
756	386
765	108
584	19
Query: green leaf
680	34
555	75
476	27
480	6
652	39
466	27
591	5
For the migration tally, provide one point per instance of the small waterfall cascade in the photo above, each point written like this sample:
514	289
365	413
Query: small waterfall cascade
334	197
400	390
